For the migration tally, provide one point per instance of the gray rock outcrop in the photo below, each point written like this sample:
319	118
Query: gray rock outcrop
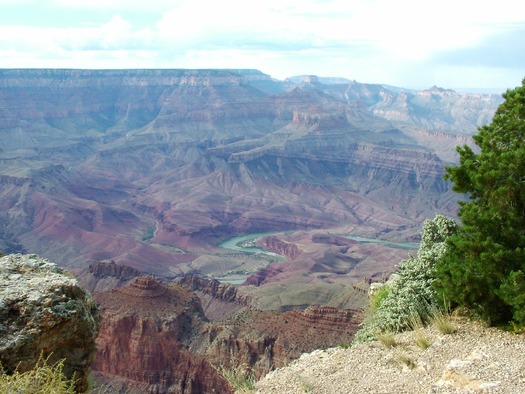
43	311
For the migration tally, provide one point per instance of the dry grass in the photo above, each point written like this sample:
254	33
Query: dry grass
405	359
442	320
417	325
387	338
43	379
240	378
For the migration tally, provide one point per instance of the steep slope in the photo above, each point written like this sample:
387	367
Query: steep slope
146	328
156	337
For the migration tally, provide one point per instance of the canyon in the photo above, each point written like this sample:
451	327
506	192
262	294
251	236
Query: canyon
132	179
153	168
159	336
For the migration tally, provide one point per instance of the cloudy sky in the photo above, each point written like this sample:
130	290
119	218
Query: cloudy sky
409	43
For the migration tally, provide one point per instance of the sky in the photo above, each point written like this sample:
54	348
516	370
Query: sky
458	44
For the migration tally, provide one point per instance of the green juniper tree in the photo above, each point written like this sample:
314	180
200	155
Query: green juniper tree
484	266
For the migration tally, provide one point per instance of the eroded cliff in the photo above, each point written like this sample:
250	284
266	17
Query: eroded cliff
156	337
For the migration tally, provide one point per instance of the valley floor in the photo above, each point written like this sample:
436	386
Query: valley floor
474	359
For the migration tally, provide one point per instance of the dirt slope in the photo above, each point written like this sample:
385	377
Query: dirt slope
475	359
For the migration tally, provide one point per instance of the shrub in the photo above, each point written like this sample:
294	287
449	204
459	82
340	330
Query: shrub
410	290
379	296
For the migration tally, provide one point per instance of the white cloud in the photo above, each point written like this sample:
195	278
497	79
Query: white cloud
367	40
112	4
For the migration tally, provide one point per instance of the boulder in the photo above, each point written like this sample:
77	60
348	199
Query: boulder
44	312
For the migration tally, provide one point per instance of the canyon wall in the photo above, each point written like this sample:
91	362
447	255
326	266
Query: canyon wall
155	336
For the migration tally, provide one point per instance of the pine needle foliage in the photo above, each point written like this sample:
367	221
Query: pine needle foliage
484	267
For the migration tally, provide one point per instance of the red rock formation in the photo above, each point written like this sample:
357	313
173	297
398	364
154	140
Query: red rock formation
218	290
106	275
273	244
144	340
264	275
219	300
154	337
267	339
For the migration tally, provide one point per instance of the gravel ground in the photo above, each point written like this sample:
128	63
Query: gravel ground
474	359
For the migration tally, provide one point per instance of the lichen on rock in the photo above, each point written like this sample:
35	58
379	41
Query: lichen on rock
43	311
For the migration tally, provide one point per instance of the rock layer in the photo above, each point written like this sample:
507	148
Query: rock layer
146	330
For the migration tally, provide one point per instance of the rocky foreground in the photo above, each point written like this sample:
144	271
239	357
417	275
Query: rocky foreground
44	312
474	359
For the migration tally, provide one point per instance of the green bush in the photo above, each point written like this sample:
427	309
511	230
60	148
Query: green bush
483	268
410	290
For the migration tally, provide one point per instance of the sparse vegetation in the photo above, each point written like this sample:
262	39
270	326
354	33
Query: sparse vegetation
405	359
239	377
417	326
387	338
518	329
306	386
422	340
42	379
442	320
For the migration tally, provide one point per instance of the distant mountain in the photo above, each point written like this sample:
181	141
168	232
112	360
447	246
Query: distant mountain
324	80
153	168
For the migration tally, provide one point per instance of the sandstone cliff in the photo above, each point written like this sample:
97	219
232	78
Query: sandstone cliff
106	275
275	245
44	311
219	300
143	345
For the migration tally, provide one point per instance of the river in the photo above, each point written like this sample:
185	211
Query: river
396	245
247	243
